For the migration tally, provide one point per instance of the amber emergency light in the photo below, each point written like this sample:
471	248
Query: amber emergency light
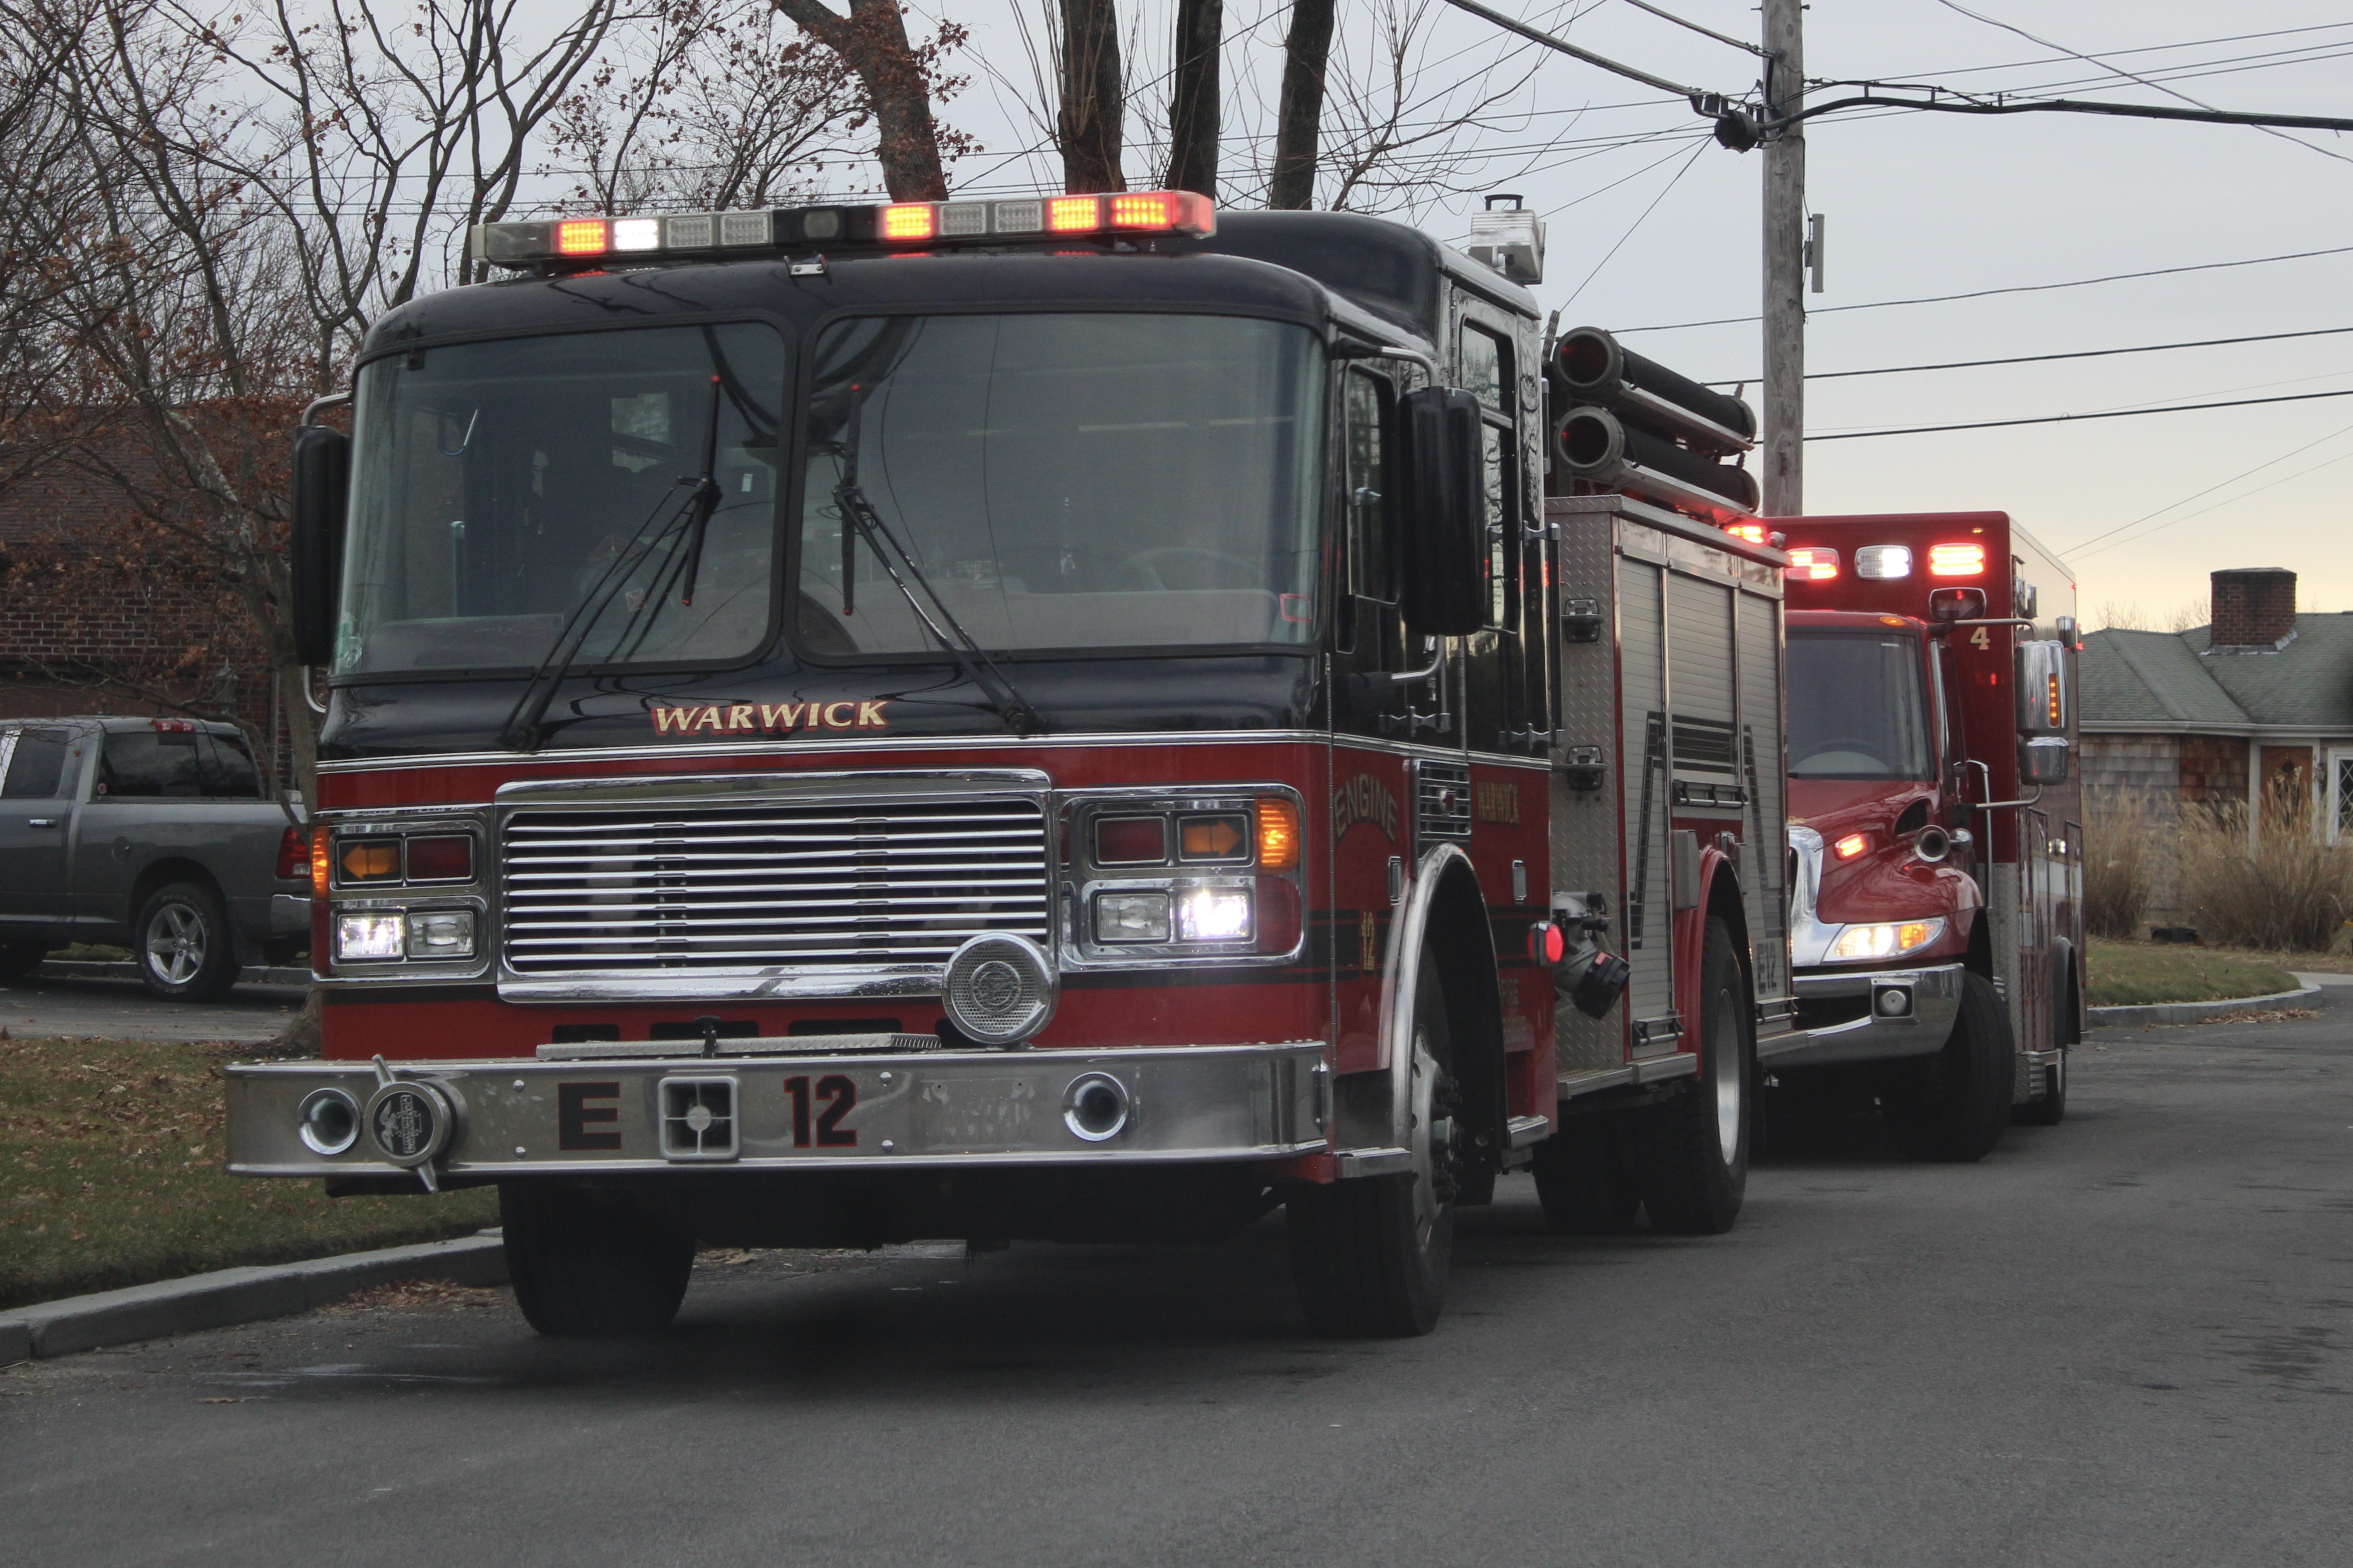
555	241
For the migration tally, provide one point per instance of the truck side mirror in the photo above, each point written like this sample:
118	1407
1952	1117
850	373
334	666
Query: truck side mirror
1445	588
2042	688
322	473
2043	761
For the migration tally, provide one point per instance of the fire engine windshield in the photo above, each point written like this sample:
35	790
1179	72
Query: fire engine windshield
500	488
1857	710
1062	481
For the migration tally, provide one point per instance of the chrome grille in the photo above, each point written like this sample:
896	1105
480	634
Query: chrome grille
749	886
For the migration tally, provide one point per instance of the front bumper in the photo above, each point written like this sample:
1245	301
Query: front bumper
775	1105
1921	1031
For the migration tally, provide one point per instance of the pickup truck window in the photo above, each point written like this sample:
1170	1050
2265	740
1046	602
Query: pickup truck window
142	764
36	768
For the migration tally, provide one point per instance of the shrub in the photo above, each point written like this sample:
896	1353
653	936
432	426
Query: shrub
2119	862
2290	895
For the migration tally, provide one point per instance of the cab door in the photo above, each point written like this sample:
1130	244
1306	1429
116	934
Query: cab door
37	783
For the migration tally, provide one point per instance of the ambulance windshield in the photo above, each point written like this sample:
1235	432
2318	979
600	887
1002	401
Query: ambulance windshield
1857	709
1081	481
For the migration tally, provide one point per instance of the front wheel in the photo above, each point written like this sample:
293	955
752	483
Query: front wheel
1692	1152
1957	1101
582	1265
186	950
1369	1255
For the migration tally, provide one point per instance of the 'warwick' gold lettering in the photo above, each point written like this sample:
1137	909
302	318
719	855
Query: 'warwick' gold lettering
773	718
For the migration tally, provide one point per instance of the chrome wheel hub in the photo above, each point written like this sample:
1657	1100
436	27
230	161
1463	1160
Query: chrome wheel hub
176	944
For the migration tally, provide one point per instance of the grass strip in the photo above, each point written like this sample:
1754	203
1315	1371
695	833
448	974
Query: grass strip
2138	973
110	1156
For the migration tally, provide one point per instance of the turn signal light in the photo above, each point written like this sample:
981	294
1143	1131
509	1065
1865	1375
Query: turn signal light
1956	559
1131	840
1853	845
443	858
370	860
320	864
1278	834
1211	837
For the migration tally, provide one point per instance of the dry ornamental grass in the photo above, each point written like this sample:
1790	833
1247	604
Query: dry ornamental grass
2292	895
2119	862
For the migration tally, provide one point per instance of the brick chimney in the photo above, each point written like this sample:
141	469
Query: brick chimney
2253	608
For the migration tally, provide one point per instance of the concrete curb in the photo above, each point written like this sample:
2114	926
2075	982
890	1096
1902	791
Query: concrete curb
232	1296
124	968
2194	1012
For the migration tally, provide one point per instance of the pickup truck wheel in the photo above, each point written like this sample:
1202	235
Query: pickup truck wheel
1369	1255
1955	1106
18	958
186	950
1692	1151
583	1267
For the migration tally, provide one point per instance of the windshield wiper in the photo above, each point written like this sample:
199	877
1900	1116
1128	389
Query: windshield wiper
521	728
971	658
705	501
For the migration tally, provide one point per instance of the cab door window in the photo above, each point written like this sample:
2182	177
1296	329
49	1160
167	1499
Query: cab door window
1369	496
1489	376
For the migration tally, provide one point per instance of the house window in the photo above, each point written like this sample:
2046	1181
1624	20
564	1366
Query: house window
2340	796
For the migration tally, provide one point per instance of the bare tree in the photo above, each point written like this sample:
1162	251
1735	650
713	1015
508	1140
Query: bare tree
1092	103
1194	119
901	82
1299	114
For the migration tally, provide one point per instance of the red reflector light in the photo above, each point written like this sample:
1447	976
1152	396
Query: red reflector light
1546	945
580	237
1956	559
1752	531
1853	845
293	855
1131	840
916	221
1278	914
445	858
1813	564
1073	215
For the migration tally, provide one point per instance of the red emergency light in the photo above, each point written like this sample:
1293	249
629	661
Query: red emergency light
1812	562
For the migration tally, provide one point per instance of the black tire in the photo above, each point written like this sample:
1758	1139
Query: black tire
1369	1255
582	1266
183	944
1692	1152
1957	1103
21	958
1585	1177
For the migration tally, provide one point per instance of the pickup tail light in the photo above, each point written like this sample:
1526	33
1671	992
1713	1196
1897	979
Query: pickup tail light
293	855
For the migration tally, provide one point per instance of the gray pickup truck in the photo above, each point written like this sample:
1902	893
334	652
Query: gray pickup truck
155	834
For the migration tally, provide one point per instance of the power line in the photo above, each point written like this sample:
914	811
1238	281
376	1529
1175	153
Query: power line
1694	26
2015	288
2231	501
1647	211
2040	359
2208	490
2070	418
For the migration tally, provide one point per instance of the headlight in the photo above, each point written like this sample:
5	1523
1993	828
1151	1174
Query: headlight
441	933
1891	941
1214	914
373	938
1131	917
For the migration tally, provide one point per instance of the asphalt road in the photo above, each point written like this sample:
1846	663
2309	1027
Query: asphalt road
2121	1341
40	1007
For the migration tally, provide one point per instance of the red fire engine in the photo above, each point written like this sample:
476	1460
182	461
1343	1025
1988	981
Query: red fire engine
1937	928
1070	718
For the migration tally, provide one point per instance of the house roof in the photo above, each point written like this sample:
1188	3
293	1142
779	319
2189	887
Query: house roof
2167	681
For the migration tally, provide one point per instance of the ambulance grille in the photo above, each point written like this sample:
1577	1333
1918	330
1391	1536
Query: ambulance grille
642	889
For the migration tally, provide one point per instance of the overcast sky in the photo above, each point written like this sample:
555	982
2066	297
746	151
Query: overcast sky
1928	205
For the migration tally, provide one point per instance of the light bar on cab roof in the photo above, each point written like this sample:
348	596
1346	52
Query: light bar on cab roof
897	225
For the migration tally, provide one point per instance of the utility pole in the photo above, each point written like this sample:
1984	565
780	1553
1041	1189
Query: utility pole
1784	457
